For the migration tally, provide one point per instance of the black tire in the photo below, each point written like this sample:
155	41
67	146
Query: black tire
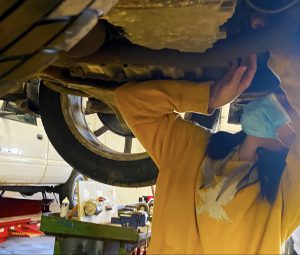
69	188
289	247
33	33
135	173
207	121
27	194
2	193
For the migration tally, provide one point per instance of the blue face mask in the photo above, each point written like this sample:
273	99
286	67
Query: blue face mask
263	117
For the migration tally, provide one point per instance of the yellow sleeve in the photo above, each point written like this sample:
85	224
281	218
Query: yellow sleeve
286	64
148	108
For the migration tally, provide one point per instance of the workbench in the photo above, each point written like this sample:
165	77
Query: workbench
77	237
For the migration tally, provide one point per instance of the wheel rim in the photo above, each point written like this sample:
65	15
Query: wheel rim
99	137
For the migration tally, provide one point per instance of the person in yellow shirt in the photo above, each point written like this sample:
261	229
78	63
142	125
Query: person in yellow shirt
221	193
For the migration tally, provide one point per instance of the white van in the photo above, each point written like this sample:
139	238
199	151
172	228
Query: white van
28	161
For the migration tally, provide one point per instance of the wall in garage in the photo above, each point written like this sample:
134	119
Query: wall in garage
122	196
131	195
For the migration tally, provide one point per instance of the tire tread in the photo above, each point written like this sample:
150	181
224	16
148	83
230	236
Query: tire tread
27	29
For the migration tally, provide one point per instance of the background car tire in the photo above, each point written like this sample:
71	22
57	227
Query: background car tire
27	194
69	188
132	173
207	121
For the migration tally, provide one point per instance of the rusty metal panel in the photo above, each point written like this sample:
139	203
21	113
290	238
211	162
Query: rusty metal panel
186	25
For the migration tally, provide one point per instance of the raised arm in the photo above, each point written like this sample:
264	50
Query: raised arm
286	64
149	110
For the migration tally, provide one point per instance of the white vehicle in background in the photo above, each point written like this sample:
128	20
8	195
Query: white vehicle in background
30	164
28	161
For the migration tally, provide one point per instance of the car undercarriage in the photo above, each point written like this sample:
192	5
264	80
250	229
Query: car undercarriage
64	59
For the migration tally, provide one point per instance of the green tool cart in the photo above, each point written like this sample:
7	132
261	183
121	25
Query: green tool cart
77	237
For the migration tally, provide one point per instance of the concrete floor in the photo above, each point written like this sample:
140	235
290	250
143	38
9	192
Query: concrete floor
41	245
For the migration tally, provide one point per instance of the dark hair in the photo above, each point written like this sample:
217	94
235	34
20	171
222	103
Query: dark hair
269	164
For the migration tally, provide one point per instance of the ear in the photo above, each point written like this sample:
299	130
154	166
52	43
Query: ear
257	20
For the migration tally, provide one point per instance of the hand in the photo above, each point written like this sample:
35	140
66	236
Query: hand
234	83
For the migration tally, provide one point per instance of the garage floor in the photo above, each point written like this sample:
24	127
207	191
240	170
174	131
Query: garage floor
41	245
21	245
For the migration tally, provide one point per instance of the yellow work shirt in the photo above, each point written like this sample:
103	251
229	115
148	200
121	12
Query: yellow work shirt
189	219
